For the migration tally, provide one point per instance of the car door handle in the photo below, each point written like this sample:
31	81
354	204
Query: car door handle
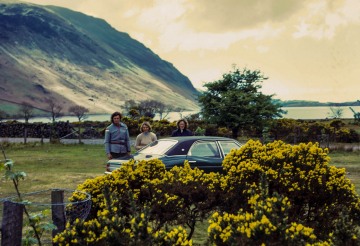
192	161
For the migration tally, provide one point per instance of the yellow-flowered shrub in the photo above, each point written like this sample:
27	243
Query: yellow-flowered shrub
112	228
316	190
131	176
186	196
264	223
273	194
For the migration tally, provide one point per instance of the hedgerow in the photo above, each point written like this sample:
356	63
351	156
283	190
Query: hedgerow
273	194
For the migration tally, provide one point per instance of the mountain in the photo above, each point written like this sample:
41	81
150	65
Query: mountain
49	52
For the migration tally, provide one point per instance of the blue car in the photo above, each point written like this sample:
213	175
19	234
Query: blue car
203	152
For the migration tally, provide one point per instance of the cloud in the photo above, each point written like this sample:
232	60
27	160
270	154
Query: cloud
232	15
322	18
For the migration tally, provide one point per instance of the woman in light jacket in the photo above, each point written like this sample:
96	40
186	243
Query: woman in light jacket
145	137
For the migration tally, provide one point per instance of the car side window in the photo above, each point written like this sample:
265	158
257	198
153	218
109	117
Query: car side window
227	146
204	149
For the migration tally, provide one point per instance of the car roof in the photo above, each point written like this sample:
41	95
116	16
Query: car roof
184	143
195	138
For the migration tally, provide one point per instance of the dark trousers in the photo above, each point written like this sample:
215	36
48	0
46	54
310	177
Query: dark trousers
117	155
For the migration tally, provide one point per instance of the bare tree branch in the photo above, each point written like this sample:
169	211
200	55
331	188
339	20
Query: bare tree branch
54	108
79	112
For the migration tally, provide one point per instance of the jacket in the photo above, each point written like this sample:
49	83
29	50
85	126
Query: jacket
178	133
117	139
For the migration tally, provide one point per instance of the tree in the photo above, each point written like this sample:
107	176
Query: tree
161	108
55	112
147	108
336	112
236	102
80	113
54	109
129	105
26	110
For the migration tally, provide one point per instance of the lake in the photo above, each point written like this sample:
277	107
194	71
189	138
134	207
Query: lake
303	113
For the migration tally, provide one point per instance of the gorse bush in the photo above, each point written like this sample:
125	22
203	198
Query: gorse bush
316	190
265	222
273	194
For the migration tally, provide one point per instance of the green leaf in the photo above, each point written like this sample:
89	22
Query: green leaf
9	164
21	175
48	226
9	175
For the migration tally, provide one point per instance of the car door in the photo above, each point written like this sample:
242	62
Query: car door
206	156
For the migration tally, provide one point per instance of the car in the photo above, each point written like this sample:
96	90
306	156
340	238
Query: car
203	152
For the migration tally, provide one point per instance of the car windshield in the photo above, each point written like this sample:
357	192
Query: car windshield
158	147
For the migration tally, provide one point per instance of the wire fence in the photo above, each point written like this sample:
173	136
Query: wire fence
72	204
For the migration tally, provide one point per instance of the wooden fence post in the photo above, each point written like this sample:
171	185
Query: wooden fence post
58	211
12	223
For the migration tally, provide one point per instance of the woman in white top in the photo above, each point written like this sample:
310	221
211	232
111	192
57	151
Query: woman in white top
145	137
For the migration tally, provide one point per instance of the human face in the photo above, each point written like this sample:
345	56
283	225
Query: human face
182	125
116	119
145	128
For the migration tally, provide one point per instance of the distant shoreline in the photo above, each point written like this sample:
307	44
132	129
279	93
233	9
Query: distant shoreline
297	113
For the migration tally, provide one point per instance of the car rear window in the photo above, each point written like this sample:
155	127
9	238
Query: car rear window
204	149
158	147
227	146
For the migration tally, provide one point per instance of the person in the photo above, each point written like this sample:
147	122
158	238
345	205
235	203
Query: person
117	139
145	137
181	130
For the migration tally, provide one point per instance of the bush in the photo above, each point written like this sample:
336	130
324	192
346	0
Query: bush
275	194
317	191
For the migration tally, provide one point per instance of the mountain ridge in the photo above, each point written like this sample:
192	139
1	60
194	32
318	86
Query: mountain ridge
76	59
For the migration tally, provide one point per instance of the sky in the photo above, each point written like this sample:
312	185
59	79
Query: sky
308	49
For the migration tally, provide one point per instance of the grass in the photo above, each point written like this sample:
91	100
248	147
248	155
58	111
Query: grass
53	166
350	160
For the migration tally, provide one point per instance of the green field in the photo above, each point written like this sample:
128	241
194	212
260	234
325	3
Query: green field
51	166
